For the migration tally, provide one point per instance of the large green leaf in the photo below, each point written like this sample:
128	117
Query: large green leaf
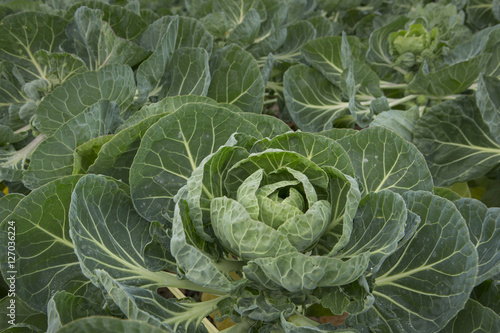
296	35
116	156
193	254
318	149
313	101
484	230
8	203
172	149
192	33
378	226
449	80
160	38
298	272
109	234
474	318
22	34
237	10
230	220
148	306
65	307
114	83
378	50
54	157
456	142
188	72
325	55
236	79
488	102
401	122
46	261
435	270
108	325
384	160
125	23
96	43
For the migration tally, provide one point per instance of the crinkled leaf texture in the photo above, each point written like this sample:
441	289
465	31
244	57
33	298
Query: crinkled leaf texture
435	270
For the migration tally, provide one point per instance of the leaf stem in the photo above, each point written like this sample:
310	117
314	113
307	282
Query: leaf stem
208	325
270	101
389	85
23	129
403	100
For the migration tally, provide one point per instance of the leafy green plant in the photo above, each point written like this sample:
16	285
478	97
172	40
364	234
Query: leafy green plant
155	186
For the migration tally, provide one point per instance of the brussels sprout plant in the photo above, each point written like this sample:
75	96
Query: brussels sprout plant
249	166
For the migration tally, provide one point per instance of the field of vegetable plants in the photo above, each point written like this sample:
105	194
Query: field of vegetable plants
292	166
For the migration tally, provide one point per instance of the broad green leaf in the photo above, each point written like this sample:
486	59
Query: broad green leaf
54	157
456	142
384	160
241	235
266	126
318	149
109	234
237	10
338	133
435	270
148	306
24	315
247	30
159	38
192	254
191	33
8	203
264	305
85	154
401	122
297	35
216	24
23	34
480	13
303	231
173	148
188	73
314	102
114	83
352	298
59	67
125	23
324	27
474	318
163	107
65	307
344	197
46	261
488	102
377	228
207	182
484	230
378	50
446	193
272	162
94	41
297	271
236	79
449	80
108	325
116	156
324	54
